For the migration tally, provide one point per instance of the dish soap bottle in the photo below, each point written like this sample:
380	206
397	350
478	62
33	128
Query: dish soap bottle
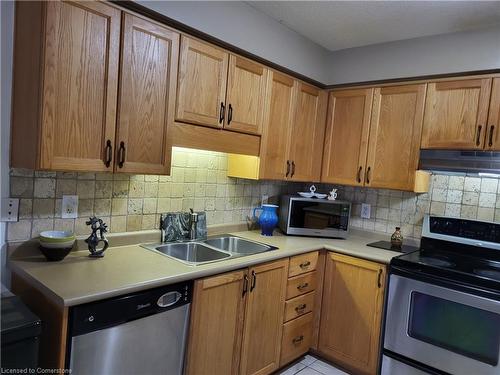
397	238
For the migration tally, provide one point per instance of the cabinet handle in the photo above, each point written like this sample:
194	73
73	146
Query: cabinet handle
287	168
245	285
121	154
293	169
108	150
222	112
358	176
302	286
305	264
254	281
490	142
368	170
300	308
298	339
379	280
478	137
229	114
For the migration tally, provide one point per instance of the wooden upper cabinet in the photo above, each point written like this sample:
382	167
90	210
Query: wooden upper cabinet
346	137
456	114
351	312
260	353
246	93
202	82
493	129
78	90
277	123
307	134
216	325
147	96
395	130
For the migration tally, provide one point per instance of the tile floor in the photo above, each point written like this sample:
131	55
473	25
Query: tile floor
309	365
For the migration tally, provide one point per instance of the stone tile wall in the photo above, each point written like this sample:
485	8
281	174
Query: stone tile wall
199	181
133	202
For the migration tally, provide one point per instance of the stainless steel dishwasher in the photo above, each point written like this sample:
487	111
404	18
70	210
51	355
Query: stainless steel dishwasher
138	334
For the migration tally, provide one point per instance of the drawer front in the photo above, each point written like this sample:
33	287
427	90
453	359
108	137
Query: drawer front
299	306
297	338
303	263
301	284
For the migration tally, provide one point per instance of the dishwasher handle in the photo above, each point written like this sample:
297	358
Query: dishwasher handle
111	312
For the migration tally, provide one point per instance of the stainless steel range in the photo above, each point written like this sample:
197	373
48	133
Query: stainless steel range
443	304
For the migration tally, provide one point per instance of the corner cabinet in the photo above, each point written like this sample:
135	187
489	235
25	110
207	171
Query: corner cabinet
236	321
346	138
68	115
218	89
351	312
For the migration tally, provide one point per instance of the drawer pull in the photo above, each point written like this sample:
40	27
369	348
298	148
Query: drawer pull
298	339
300	308
302	286
305	264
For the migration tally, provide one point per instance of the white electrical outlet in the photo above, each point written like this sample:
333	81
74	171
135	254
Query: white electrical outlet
365	210
69	207
10	209
264	199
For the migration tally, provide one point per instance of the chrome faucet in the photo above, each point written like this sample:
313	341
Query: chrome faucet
193	225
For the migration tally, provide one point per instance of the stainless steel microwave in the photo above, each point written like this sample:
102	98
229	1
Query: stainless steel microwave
314	217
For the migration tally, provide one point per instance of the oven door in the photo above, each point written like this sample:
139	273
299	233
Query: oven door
446	329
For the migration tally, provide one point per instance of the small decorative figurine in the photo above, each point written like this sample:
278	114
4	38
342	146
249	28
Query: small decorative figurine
397	238
94	239
332	195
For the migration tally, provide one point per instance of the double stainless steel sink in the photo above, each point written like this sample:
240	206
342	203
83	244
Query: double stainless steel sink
211	250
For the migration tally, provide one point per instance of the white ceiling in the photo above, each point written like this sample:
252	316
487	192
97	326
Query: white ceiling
345	24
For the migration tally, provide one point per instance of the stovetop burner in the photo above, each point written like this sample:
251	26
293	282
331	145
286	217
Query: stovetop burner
436	261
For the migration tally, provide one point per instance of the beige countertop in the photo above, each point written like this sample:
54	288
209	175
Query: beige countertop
79	279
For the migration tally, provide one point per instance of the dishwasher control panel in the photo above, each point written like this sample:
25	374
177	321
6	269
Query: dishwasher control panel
109	312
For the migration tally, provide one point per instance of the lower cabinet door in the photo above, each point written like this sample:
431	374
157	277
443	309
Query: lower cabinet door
216	326
297	335
351	312
261	346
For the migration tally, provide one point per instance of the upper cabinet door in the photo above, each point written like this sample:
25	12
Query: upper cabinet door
276	130
456	113
246	95
147	94
394	141
492	134
202	83
260	351
346	138
79	86
308	131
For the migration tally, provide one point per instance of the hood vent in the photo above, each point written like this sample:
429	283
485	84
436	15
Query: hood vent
471	162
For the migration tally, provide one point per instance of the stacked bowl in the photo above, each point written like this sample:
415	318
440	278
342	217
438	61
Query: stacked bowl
56	244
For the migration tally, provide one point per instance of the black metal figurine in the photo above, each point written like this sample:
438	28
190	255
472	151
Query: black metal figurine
94	239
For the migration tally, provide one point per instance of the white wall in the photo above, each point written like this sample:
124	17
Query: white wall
447	53
6	26
241	25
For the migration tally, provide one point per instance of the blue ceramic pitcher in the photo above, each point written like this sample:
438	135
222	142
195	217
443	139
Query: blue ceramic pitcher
267	219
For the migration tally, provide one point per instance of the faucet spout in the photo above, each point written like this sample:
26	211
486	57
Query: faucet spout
193	220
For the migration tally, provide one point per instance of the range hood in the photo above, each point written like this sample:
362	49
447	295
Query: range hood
471	162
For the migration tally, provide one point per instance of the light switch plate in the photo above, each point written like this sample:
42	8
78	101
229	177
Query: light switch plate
366	210
69	207
10	209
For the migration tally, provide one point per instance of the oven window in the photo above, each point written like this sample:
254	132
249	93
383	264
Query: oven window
462	329
319	215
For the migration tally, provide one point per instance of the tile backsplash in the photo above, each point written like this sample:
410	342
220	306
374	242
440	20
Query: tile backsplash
133	202
199	181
